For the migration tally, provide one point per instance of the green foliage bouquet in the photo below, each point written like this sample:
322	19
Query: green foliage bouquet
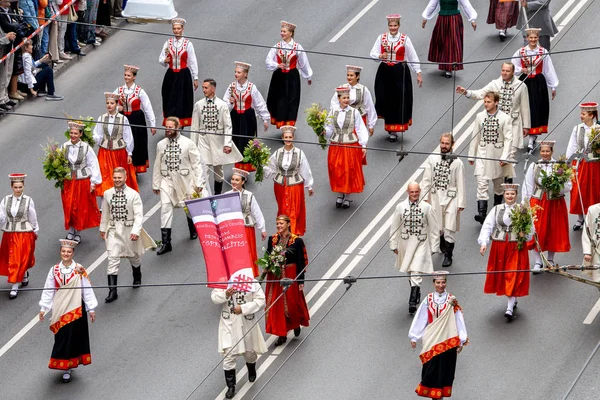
257	154
317	117
55	163
521	220
555	181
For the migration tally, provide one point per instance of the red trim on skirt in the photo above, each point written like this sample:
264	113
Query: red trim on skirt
279	124
588	174
397	127
538	130
183	121
16	255
65	365
290	311
551	225
244	166
140	169
251	237
433	393
344	165
79	205
108	161
504	256
290	202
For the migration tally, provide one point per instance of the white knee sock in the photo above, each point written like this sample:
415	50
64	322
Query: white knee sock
511	303
551	256
15	287
532	140
537	257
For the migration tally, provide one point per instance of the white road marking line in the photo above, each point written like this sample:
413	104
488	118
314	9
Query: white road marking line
559	14
328	274
593	313
571	15
353	21
91	268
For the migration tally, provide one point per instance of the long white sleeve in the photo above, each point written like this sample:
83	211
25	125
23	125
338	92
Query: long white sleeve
419	323
89	298
92	162
98	132
32	216
258	302
259	104
270	170
468	9
218	296
369	105
192	61
586	242
272	59
227	98
572	146
360	129
516	61
48	292
549	71
305	172
257	214
528	184
411	56
460	326
147	109
395	227
2	212
488	227
127	136
163	54
303	65
376	50
431	10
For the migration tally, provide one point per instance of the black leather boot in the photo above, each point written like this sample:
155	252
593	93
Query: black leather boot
251	371
192	228
412	300
418	295
481	211
442	244
112	289
230	380
165	247
137	276
498	199
218	187
448	255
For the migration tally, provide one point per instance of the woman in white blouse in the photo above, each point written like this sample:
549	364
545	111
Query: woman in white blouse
393	84
286	58
18	221
181	78
291	173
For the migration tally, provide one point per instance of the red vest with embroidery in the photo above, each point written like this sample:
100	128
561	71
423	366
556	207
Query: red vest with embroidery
434	310
287	57
537	61
132	100
395	50
243	98
178	55
60	279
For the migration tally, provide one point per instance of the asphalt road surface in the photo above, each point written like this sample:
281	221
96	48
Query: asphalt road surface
161	343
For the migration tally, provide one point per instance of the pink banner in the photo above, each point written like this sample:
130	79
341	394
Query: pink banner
220	225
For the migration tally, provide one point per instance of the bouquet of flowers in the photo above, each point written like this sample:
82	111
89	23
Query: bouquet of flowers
257	154
56	165
273	262
316	118
521	220
594	138
88	131
195	195
555	181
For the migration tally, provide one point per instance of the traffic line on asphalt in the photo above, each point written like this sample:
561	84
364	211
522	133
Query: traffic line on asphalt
571	15
592	314
353	21
89	270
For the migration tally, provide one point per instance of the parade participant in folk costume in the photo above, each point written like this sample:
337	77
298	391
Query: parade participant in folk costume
414	235
285	59
360	98
115	141
177	173
446	45
211	132
535	65
590	241
245	102
239	335
514	102
504	14
440	323
289	168
78	194
491	140
584	193
504	253
393	84
552	218
289	312
70	308
135	104
348	138
181	78
121	229
18	221
443	187
253	216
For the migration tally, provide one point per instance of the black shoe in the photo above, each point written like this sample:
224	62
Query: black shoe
498	198
578	225
297	331
165	247
346	203
230	381
509	315
11	103
393	137
448	74
448	254
192	228
5	107
112	289
13	294
339	201
66	378
482	206
442	243
137	276
413	299
251	371
25	280
280	340
218	187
